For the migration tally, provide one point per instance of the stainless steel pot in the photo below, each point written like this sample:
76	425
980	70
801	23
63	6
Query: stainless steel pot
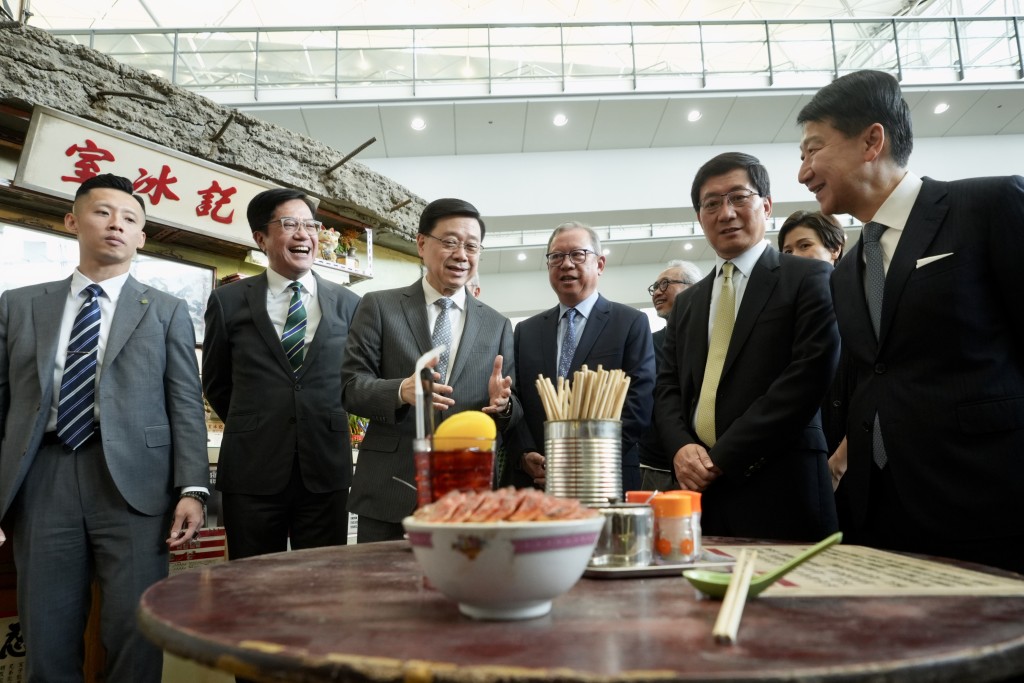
627	538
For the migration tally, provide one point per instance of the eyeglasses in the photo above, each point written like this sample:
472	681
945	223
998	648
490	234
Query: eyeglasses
289	225
577	256
451	244
739	199
662	285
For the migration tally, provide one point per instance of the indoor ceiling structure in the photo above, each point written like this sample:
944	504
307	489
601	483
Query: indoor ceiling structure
509	124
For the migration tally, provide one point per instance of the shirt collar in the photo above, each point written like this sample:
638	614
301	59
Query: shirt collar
746	261
895	210
277	283
582	308
112	287
432	295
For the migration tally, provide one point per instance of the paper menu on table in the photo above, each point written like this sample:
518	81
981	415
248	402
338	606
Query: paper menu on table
858	571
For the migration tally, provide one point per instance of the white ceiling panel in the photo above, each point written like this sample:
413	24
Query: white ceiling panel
437	139
929	124
489	127
992	111
543	136
626	123
757	119
675	131
345	128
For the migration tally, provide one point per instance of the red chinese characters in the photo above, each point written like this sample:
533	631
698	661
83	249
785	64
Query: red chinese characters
208	207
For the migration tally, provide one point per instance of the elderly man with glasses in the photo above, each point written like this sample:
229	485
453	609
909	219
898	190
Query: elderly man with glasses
271	362
583	329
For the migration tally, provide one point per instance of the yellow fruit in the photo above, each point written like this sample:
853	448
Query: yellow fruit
466	430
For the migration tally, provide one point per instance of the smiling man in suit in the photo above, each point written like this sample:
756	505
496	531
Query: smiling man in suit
605	333
104	442
392	329
272	371
930	312
749	352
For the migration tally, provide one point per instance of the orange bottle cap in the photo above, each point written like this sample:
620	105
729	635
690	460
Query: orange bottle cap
668	505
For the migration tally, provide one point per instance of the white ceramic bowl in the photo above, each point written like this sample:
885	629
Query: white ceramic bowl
504	570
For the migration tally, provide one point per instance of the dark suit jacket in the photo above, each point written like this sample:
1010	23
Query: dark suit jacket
270	416
617	337
781	359
389	333
151	409
946	376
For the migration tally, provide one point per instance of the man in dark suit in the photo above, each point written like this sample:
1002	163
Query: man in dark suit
749	354
609	334
93	491
391	330
930	313
272	371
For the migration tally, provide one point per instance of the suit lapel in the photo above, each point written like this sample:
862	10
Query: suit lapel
763	279
472	322
918	234
47	312
848	280
131	306
697	329
599	315
548	340
415	310
256	298
327	300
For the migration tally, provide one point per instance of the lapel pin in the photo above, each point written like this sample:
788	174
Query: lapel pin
143	301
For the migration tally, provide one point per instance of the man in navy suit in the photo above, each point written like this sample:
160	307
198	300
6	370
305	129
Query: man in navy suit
738	410
935	426
609	334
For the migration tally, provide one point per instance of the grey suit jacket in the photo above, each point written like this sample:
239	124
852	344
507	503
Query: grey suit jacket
151	411
389	333
270	415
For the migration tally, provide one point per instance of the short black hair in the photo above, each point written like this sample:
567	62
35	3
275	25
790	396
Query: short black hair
826	226
262	206
110	181
443	208
730	161
853	102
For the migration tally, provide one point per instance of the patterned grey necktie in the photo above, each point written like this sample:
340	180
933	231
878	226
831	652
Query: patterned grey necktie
874	288
443	335
75	420
568	343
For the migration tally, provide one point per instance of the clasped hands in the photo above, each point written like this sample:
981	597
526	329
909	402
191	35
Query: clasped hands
499	390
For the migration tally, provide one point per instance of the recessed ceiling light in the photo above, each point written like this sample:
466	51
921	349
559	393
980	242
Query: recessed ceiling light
606	251
521	256
560	120
693	116
941	107
418	123
688	246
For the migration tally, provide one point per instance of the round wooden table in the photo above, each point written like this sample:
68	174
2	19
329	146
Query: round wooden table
364	614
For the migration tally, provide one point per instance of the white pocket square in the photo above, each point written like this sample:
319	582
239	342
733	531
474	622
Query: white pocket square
931	259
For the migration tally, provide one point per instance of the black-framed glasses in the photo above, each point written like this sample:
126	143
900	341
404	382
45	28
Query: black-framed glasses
738	199
451	244
577	256
663	284
290	225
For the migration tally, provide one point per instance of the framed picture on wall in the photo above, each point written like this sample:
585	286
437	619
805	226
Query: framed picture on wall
29	256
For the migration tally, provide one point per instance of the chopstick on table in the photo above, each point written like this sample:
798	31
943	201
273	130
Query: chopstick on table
727	625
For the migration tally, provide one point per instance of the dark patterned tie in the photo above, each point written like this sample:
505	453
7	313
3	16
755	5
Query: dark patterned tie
568	343
75	420
294	336
443	335
874	288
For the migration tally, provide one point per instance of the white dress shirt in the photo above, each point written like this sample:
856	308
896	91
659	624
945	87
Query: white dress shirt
743	266
583	310
894	212
456	316
279	298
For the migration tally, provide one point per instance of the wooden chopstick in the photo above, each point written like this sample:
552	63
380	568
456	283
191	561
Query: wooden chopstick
727	625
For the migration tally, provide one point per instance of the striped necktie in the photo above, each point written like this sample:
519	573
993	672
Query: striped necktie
721	333
75	420
294	336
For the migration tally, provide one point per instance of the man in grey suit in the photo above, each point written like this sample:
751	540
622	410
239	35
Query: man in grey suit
272	371
104	441
391	330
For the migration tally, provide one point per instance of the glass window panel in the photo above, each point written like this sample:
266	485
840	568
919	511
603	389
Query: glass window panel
686	33
375	65
375	38
668	59
273	40
598	60
526	62
232	69
526	35
445	63
988	43
449	37
596	35
801	47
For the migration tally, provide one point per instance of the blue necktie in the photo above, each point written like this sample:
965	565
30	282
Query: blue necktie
874	288
568	343
294	336
443	335
75	421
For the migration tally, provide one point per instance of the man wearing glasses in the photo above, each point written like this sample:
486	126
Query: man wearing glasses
583	329
391	330
749	352
673	281
272	372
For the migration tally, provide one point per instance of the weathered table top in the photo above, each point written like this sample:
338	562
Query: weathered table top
363	613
